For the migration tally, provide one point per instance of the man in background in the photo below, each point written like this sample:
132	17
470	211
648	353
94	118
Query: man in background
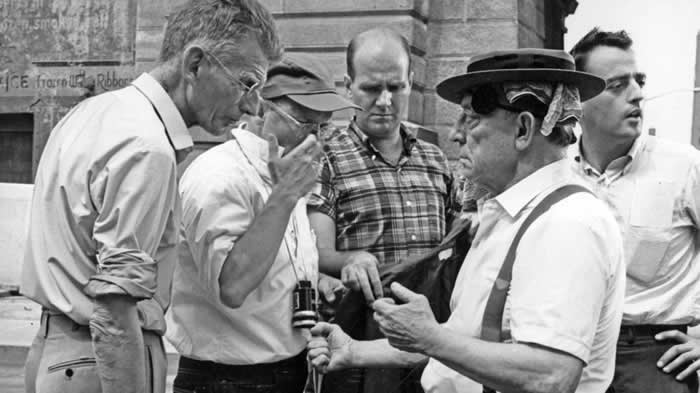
383	194
653	188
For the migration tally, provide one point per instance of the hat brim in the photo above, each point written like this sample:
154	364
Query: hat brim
453	89
323	102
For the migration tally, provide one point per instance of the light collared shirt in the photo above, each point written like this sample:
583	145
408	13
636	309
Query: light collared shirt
654	193
567	287
223	190
105	207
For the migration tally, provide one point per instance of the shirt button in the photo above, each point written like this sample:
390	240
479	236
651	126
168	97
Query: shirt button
413	237
409	204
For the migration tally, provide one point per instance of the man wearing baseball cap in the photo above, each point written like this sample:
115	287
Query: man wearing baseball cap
247	247
538	299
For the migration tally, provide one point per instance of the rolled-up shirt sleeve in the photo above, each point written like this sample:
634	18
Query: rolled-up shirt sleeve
134	195
323	196
218	208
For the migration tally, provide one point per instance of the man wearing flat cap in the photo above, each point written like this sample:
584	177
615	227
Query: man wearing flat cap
247	246
538	300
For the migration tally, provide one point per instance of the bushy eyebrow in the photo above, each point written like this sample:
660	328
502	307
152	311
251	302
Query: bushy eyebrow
626	76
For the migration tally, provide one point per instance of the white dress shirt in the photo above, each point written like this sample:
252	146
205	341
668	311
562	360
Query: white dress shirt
654	194
223	190
567	286
105	208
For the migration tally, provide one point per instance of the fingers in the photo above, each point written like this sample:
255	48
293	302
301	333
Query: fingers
672	335
684	356
327	290
672	354
365	286
321	329
319	359
690	370
402	293
375	280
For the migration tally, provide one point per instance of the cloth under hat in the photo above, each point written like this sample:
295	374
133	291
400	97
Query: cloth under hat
563	102
306	80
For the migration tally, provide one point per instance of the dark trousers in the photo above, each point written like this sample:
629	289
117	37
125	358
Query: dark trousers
635	368
197	376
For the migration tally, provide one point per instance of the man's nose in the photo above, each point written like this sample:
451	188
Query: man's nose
636	93
457	135
384	98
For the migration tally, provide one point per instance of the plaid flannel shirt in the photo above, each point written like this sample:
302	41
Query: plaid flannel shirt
390	211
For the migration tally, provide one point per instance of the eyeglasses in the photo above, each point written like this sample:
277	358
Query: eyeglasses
248	90
302	127
485	99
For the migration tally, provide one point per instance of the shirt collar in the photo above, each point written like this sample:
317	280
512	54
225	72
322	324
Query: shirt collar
619	164
255	150
175	126
518	196
407	136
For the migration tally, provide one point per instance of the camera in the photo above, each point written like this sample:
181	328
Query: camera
305	306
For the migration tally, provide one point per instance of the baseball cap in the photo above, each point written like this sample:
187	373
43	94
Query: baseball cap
306	80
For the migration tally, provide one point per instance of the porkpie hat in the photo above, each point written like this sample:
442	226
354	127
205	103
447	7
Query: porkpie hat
527	64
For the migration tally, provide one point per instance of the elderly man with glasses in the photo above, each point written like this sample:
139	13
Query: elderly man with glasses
101	244
248	263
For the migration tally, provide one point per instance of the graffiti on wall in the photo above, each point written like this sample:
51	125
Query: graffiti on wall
70	31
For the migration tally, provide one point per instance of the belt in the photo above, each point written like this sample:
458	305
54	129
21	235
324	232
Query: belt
245	370
627	331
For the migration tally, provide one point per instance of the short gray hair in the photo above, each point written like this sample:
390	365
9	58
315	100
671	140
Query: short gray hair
216	24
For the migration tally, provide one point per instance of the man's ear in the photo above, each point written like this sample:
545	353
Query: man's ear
528	126
411	75
192	61
347	81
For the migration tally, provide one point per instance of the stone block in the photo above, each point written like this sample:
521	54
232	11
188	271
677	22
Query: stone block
321	6
441	10
450	148
439	112
148	44
439	69
336	32
491	9
274	6
527	38
457	39
415	107
531	16
154	13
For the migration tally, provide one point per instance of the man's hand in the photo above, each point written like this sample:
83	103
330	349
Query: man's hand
329	348
687	353
296	172
409	326
360	273
328	287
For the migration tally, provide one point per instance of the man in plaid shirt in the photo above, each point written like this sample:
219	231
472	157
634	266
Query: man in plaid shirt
383	195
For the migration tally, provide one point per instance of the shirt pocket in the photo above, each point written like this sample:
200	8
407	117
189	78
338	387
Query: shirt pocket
648	235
